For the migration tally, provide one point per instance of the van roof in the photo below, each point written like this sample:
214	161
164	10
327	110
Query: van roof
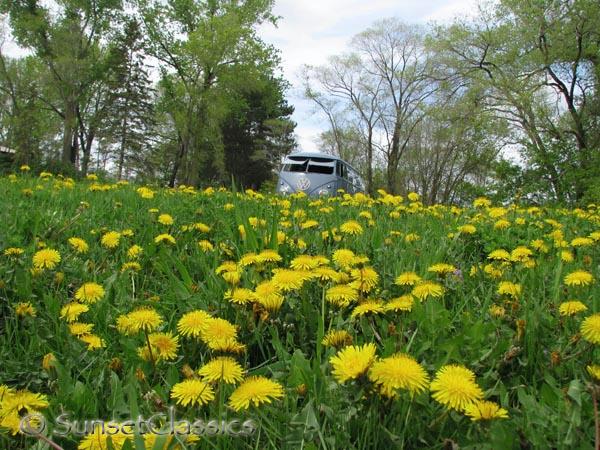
321	155
314	155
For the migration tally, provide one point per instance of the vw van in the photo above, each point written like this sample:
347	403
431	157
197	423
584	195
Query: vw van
317	174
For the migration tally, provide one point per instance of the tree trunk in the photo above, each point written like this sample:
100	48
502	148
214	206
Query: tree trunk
370	162
393	158
69	151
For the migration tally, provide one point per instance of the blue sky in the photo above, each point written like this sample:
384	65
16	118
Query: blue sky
309	31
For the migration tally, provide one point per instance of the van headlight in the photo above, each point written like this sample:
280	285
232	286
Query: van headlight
284	188
324	191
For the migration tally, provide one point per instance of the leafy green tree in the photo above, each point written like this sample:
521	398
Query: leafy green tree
206	50
67	36
258	132
130	99
538	61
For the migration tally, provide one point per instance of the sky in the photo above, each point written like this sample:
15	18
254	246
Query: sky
311	30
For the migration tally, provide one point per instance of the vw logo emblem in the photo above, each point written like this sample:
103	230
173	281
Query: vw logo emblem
303	183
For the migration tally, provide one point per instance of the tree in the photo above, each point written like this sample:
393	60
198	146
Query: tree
67	38
259	131
130	99
396	55
207	50
536	60
348	79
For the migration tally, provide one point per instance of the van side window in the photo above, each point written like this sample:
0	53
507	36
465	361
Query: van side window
341	169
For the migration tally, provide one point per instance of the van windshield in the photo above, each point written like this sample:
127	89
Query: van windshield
310	165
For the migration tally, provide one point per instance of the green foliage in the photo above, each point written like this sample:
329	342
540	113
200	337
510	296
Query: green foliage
531	360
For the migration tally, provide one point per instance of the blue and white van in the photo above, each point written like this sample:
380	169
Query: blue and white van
317	174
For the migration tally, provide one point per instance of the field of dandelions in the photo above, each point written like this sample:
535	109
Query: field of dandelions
335	323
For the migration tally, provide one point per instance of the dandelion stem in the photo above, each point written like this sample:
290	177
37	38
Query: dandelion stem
596	419
149	347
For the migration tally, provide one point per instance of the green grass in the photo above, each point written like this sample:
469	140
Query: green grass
538	374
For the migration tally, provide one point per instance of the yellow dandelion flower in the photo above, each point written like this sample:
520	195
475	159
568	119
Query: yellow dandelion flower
222	368
13	251
164	347
337	339
217	328
165	219
590	328
441	268
482	202
78	244
132	266
289	280
455	387
24	309
192	392
351	227
508	288
309	224
165	237
411	237
571	308
145	192
566	256
89	293
341	295
226	345
255	391
352	361
92	341
46	258
267	295
79	329
582	242
579	278
240	296
344	258
248	259
467	229
268	256
521	254
206	246
368	307
111	239
48	362
427	289
325	274
497	311
71	311
402	303
407	279
233	277
192	323
201	227
134	252
501	224
143	319
485	410
364	279
399	371
305	262
499	255
594	371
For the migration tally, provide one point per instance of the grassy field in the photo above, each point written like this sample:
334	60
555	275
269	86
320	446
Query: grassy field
347	322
